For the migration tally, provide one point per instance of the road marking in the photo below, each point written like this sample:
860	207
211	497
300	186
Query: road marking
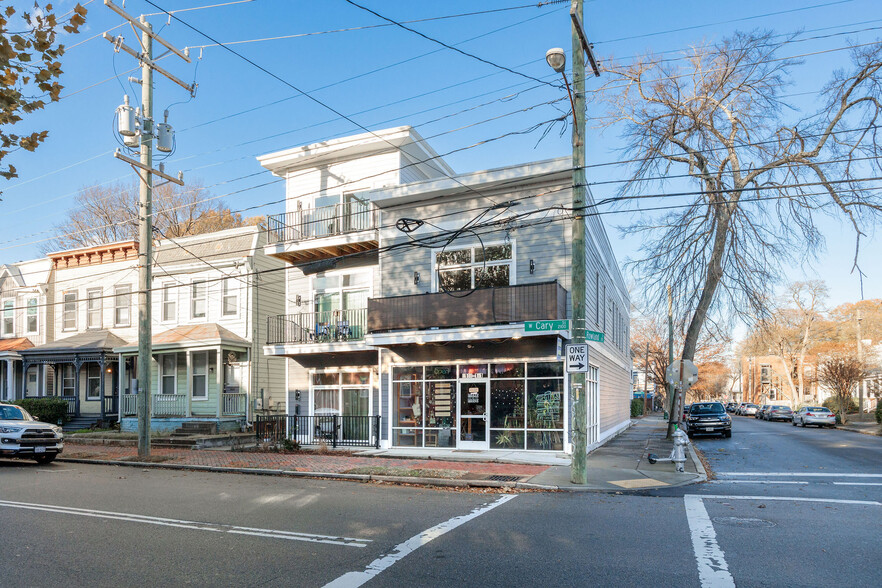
355	579
756	482
713	571
857	483
194	525
787	498
800	475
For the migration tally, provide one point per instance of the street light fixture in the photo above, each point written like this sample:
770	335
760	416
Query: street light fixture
557	60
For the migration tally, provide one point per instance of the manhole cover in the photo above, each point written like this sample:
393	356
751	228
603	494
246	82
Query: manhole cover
743	522
502	478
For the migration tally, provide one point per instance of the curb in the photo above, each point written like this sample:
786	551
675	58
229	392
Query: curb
861	431
699	467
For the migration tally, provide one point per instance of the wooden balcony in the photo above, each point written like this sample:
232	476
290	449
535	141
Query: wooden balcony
490	306
313	234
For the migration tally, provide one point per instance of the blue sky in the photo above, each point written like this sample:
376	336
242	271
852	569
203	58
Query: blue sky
383	77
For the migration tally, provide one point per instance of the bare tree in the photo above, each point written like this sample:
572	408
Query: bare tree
842	372
808	297
718	117
104	214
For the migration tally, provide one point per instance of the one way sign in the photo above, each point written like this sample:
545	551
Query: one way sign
577	358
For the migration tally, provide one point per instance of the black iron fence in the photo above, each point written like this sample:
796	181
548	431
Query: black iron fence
333	430
325	221
324	326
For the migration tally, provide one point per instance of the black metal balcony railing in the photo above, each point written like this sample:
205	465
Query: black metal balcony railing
489	306
317	327
316	223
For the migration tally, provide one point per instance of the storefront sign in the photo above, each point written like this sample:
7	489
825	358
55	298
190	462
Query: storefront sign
474	397
563	325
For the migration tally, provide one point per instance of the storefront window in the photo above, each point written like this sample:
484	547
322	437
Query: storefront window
409	404
473	371
440	372
325	379
407	373
507	370
546	369
545	404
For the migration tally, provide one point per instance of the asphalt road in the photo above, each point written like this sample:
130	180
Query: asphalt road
84	525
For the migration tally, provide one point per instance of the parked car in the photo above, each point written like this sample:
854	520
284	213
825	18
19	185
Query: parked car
708	418
814	415
778	412
749	410
731	406
740	407
24	437
761	413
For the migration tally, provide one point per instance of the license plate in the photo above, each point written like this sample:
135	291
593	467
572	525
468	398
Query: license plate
39	450
708	428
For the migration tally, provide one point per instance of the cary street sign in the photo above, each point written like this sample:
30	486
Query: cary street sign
577	358
563	325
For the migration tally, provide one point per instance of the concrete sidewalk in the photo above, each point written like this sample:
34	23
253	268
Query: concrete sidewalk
619	465
867	427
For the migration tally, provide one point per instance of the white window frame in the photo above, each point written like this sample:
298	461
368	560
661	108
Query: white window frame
230	290
97	395
68	374
89	310
65	311
169	300
122	292
194	375
35	307
340	290
473	265
194	300
163	375
339	387
8	316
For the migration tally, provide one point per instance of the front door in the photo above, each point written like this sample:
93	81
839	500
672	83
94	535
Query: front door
473	415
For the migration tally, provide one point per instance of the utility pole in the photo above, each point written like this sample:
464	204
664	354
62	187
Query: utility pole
163	134
672	416
645	377
860	352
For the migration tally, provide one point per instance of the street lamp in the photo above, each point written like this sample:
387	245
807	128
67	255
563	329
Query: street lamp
557	60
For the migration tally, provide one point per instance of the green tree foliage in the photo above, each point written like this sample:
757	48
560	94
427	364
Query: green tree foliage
29	71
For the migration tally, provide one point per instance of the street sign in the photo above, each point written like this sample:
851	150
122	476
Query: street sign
594	336
577	358
690	372
563	325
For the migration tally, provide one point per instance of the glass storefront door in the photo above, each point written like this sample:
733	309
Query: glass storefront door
473	415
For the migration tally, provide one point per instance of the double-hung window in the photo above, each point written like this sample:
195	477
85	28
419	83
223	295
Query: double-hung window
198	295
93	308
93	381
8	317
230	297
31	318
200	375
122	305
474	267
69	312
168	373
68	379
169	302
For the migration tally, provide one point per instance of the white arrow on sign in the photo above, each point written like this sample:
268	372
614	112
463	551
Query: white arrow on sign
577	358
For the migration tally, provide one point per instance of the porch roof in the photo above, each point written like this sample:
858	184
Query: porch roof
87	345
187	336
16	344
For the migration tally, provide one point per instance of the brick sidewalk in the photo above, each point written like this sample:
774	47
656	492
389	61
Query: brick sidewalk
300	462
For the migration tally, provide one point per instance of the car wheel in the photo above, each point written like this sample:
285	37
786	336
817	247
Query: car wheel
793	423
727	434
44	459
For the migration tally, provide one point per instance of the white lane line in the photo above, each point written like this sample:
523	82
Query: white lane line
786	499
756	482
194	525
799	475
857	483
355	579
713	571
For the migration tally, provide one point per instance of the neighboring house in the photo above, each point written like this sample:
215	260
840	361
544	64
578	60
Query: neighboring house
25	321
765	379
393	312
211	296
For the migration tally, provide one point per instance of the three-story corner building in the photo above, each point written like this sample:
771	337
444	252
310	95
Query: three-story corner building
212	294
424	313
25	321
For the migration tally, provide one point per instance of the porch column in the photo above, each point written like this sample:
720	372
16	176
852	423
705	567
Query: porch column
10	379
24	378
219	377
77	365
101	365
121	377
189	386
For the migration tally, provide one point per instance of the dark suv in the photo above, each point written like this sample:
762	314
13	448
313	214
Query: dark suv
708	418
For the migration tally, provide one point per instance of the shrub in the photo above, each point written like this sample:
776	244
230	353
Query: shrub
637	407
290	445
48	409
879	413
833	404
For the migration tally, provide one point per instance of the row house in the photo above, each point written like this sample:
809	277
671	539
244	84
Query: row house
212	294
410	289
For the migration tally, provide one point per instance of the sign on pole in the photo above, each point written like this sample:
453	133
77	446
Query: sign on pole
594	336
562	325
689	372
577	358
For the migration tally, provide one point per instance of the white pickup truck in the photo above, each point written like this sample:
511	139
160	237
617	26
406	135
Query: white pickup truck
24	437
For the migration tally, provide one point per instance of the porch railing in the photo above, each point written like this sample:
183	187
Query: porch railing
333	430
170	405
71	405
234	403
317	327
111	408
129	404
324	221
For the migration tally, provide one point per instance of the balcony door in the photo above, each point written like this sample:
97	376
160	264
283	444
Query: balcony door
473	421
341	305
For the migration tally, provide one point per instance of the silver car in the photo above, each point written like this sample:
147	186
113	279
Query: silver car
749	410
814	415
22	436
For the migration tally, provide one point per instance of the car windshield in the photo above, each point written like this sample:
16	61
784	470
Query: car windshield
752	406
12	413
712	408
780	408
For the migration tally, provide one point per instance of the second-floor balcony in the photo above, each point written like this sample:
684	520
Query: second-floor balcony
483	307
328	326
311	234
